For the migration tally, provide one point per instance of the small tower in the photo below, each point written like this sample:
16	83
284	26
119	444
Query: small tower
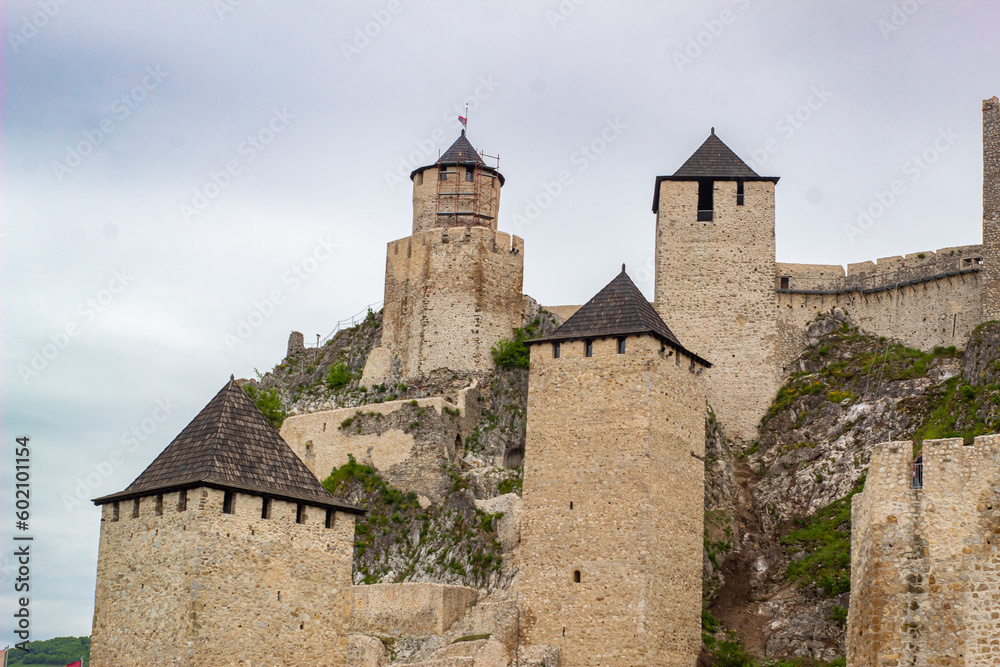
453	288
715	276
611	552
991	209
226	550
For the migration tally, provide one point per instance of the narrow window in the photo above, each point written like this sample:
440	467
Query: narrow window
621	346
784	282
182	501
265	508
158	508
588	348
114	512
468	174
571	504
705	200
135	508
227	502
330	517
555	350
739	193
300	513
576	576
442	173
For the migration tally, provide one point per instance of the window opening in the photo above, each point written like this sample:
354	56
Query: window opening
588	348
227	502
182	501
158	508
621	346
576	576
705	200
265	508
555	350
739	193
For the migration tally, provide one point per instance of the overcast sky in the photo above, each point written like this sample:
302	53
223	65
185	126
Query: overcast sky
169	168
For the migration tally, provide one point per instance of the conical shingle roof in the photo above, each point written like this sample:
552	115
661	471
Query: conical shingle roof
619	309
231	445
461	152
714	159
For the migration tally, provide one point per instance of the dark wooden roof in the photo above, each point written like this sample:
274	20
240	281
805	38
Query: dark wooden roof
619	309
713	160
231	445
460	152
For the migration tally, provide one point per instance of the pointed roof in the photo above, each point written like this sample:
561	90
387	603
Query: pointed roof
619	309
714	160
231	445
461	152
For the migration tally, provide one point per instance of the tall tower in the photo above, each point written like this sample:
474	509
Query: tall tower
452	288
715	277
611	549
226	550
991	209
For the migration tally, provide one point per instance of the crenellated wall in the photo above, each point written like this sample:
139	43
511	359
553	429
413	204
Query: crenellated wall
925	563
196	586
450	295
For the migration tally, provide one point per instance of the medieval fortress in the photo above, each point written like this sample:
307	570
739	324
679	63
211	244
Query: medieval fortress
227	550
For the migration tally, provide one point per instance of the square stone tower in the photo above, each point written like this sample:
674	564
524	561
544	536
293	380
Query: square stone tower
611	550
925	572
991	209
453	288
715	277
224	551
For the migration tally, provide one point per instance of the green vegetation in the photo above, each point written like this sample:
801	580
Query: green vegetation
956	410
511	485
339	376
826	538
58	651
512	352
729	652
268	402
838	615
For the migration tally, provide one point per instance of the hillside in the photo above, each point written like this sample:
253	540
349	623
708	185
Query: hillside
58	651
777	512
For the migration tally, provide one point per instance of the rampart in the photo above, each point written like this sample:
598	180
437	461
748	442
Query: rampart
923	299
450	295
418	609
925	573
399	440
181	582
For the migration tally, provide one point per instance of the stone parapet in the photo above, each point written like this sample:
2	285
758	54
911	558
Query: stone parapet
419	609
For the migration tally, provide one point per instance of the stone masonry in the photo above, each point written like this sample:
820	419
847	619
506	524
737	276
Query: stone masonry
925	572
196	586
991	208
613	504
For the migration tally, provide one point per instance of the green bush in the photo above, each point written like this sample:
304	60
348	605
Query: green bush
268	402
339	376
512	353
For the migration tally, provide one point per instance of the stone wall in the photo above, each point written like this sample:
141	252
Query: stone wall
715	290
450	295
613	492
454	196
409	609
200	587
991	208
409	456
924	299
925	575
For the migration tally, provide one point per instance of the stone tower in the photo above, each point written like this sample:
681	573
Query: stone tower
715	277
991	209
452	288
611	551
925	574
224	551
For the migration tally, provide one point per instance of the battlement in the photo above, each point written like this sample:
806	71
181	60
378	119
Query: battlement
883	274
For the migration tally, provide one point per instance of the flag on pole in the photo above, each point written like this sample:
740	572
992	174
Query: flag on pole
78	663
464	121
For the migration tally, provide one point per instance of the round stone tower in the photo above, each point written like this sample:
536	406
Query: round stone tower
459	190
